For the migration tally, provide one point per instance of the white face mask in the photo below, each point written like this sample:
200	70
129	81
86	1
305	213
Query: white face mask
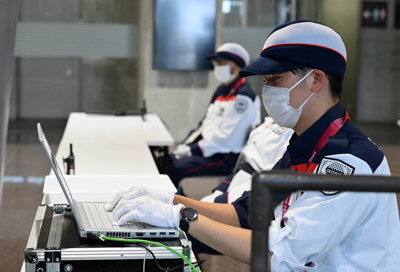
223	73
276	102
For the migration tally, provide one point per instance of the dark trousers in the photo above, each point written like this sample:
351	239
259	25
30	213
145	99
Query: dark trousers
216	165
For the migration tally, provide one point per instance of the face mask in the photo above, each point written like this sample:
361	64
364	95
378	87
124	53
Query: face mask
223	73
276	102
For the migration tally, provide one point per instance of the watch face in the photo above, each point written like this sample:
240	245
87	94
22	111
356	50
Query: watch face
189	213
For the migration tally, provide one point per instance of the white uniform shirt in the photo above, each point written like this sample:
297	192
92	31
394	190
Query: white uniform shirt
326	230
266	144
227	124
333	231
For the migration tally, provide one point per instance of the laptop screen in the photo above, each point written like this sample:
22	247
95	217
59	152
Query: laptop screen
54	165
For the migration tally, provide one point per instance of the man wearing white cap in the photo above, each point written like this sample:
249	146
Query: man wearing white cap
303	64
214	146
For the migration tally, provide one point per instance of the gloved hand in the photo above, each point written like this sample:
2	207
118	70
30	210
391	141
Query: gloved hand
148	210
136	191
182	151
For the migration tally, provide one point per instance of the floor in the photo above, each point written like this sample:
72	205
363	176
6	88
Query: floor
26	167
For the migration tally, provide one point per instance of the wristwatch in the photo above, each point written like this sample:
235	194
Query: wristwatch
188	214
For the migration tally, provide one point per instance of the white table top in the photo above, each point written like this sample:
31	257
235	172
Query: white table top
113	145
100	188
152	130
92	158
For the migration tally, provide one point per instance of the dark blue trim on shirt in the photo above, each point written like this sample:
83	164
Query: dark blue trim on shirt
223	91
348	140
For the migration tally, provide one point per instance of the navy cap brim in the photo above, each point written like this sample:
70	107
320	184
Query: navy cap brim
213	56
267	66
226	55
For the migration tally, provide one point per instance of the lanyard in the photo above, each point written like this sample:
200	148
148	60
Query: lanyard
236	86
333	128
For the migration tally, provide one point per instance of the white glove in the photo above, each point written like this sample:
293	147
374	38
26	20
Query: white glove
136	191
182	151
148	210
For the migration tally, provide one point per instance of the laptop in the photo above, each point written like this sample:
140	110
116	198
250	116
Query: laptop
91	217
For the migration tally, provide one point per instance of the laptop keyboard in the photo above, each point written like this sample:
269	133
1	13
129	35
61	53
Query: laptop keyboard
99	218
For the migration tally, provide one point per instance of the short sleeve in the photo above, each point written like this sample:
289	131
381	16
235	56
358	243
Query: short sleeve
242	209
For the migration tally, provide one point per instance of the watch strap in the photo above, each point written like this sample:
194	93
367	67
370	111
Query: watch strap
184	224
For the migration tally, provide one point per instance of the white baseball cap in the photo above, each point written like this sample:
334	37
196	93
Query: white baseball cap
233	51
300	44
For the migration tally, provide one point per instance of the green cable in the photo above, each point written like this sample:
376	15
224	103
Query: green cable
101	236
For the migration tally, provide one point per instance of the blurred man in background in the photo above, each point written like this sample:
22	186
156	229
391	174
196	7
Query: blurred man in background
212	149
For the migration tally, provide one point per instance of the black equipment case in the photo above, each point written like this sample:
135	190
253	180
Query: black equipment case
54	245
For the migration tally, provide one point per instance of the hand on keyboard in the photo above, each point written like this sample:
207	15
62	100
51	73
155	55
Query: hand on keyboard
148	210
137	191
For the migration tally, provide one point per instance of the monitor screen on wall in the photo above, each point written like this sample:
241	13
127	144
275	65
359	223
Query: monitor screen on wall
184	34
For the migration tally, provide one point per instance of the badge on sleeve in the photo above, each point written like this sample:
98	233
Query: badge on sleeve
334	167
241	104
278	129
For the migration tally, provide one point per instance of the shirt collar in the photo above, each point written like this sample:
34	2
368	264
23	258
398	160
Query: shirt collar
301	147
226	89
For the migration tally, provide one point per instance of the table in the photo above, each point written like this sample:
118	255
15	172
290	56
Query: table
108	144
97	188
109	148
152	130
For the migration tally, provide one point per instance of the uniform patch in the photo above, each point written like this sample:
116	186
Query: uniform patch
334	167
278	129
241	104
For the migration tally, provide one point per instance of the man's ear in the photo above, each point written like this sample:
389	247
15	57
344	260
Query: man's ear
319	80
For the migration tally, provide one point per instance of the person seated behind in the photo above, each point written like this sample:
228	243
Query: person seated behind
265	146
303	64
214	146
